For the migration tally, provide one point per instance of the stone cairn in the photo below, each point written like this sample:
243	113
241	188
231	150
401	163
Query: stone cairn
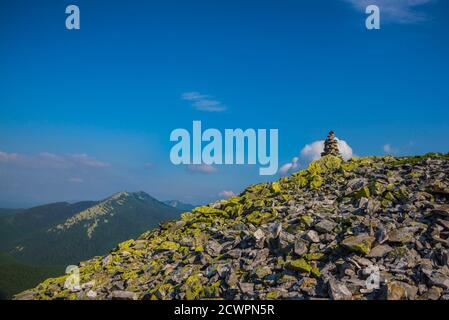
331	146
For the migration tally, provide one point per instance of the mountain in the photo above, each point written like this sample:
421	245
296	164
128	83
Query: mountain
38	242
7	212
87	229
367	228
179	205
21	224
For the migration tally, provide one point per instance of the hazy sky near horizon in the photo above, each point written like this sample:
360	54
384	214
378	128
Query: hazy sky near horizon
87	113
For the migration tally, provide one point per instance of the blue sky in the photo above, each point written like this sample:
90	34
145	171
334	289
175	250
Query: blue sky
89	112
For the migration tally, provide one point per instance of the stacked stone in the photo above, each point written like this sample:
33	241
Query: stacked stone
331	146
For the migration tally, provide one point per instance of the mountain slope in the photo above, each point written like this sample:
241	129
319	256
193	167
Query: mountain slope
320	233
8	212
23	223
16	276
93	230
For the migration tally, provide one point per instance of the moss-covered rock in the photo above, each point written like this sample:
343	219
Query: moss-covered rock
287	239
276	187
206	210
299	265
360	244
168	245
258	218
194	287
363	192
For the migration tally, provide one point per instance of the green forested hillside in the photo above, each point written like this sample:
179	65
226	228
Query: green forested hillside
16	276
17	225
95	230
60	234
4	212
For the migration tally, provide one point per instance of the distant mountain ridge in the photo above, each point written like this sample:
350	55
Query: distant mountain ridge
84	229
41	240
18	225
179	205
38	242
102	210
4	211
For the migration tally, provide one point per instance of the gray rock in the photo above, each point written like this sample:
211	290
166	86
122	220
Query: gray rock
443	223
442	210
259	235
91	294
381	235
360	243
124	295
380	251
312	236
363	203
275	229
445	258
440	280
338	291
214	248
402	235
26	295
300	247
247	288
433	293
325	226
397	290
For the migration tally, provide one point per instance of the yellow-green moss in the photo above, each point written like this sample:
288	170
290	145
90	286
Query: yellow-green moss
313	256
276	187
316	183
362	193
257	217
168	245
307	219
299	265
194	289
272	295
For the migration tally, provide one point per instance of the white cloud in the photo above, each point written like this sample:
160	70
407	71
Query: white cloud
51	160
8	157
86	160
51	156
285	169
345	149
227	194
289	166
193	96
203	102
312	152
398	11
201	168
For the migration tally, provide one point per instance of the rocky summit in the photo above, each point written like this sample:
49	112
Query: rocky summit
368	228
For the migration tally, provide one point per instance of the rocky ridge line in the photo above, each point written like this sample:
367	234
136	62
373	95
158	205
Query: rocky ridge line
320	233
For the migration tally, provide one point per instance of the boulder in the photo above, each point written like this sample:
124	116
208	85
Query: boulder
360	243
